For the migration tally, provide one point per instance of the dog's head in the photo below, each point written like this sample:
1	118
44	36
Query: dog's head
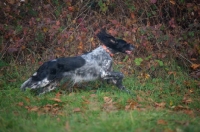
117	45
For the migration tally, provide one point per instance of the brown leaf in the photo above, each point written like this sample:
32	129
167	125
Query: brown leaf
172	2
58	94
195	66
71	8
20	104
107	99
172	73
161	105
27	99
131	105
67	127
161	122
109	105
56	99
187	100
189	112
77	109
93	95
12	80
11	1
33	109
132	15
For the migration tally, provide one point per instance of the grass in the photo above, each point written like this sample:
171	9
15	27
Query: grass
170	105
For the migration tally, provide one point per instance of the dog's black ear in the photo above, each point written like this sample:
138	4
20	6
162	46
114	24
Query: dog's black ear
105	38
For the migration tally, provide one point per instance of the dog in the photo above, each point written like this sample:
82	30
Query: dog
90	66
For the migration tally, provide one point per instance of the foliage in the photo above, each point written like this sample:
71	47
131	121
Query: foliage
36	32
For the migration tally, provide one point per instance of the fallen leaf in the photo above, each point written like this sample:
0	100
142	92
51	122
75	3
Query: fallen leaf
58	23
71	8
161	122
33	109
58	94
195	66
172	2
93	95
67	127
56	99
189	112
20	104
109	105
132	15
162	104
187	100
12	80
107	99
131	105
172	73
77	109
153	1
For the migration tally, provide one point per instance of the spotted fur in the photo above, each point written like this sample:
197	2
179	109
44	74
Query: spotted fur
94	65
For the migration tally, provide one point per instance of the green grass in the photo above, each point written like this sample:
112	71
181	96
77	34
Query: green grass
170	104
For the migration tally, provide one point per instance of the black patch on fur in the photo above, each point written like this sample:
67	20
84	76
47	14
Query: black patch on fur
117	45
55	69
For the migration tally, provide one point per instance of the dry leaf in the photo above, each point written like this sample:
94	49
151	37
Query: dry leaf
172	2
77	109
33	109
67	127
109	105
153	1
57	23
187	100
195	66
132	15
20	104
131	105
107	99
161	122
58	94
93	95
162	104
56	99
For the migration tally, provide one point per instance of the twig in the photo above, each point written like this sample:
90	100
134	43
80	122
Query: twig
185	58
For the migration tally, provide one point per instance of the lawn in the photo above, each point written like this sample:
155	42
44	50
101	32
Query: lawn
169	104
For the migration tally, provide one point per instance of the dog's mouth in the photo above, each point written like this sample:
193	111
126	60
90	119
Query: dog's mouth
128	52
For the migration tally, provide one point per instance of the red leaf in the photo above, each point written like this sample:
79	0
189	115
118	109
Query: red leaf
153	1
114	22
12	50
71	8
172	23
58	23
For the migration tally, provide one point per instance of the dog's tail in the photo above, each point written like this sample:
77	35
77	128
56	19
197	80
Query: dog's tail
106	39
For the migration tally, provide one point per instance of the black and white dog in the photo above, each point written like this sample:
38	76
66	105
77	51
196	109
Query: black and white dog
87	67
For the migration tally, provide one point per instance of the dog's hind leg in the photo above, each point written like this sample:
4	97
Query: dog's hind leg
116	78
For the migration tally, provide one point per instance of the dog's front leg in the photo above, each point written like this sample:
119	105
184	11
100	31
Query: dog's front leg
116	78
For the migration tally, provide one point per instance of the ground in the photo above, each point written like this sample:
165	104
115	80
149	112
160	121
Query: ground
169	105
